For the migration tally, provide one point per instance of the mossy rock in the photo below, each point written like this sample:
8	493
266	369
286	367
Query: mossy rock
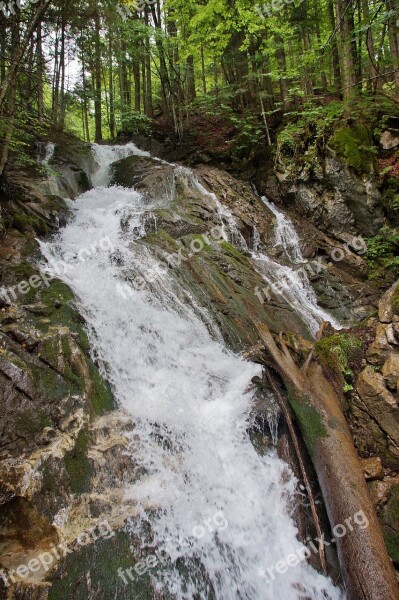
355	145
78	465
337	352
102	560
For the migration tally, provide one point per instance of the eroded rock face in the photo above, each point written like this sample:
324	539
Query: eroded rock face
336	199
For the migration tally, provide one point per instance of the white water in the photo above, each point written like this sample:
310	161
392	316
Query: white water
187	396
286	234
290	282
49	153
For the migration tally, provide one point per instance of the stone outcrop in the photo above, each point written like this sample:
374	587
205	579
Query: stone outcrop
334	198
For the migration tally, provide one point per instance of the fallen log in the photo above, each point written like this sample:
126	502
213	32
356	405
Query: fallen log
366	568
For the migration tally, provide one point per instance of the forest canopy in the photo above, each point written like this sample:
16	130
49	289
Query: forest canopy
105	69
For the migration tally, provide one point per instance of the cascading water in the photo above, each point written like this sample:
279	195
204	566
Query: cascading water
286	234
217	509
291	282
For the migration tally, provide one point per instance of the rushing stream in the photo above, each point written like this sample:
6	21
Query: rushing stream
206	498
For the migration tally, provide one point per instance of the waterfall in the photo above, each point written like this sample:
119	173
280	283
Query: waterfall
215	508
286	234
50	147
106	155
290	283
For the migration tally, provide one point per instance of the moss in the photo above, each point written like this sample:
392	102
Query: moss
161	238
50	385
25	223
310	420
337	352
32	422
102	560
100	398
77	464
355	145
233	251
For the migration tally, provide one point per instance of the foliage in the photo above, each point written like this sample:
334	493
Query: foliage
337	352
308	131
134	122
383	254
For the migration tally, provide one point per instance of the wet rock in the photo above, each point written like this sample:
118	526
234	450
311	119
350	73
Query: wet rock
380	491
338	199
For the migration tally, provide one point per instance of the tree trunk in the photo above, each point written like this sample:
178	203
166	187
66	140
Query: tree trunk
20	51
394	45
97	79
366	567
348	55
282	63
334	53
12	88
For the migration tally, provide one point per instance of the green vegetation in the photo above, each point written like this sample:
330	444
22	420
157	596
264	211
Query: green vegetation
355	145
77	464
310	420
337	352
383	255
233	77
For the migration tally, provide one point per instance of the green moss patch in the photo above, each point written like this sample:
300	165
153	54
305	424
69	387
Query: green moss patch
355	145
77	464
310	420
337	352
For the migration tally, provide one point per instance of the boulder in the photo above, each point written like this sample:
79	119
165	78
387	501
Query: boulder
389	139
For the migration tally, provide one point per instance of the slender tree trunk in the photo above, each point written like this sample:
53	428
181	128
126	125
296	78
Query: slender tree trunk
137	90
40	73
62	107
282	63
191	92
85	103
3	49
148	87
111	89
334	46
203	70
97	79
394	44
12	88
